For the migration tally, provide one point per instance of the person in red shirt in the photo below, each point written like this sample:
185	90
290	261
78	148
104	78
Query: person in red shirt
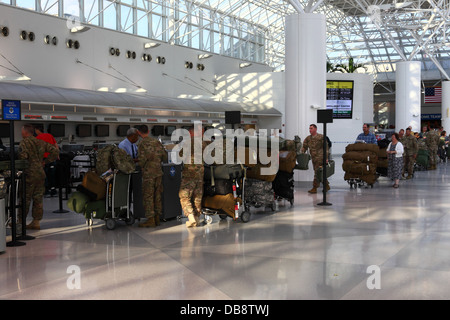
50	189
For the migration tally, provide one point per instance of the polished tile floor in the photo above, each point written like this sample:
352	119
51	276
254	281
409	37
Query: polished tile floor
371	243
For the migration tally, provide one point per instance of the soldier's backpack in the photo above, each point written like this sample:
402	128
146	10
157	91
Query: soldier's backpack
112	157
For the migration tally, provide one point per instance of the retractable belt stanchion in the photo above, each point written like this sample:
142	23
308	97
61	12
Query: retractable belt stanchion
60	210
12	205
324	116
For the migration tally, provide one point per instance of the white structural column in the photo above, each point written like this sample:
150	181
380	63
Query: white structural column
305	72
407	95
445	111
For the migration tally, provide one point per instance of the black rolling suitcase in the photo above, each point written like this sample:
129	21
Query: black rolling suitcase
283	185
136	194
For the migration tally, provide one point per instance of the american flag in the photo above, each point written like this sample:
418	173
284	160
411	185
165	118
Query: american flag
433	95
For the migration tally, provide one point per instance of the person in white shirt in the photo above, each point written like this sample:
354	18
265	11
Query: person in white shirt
395	156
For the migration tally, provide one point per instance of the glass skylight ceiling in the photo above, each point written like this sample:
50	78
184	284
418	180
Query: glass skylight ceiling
376	34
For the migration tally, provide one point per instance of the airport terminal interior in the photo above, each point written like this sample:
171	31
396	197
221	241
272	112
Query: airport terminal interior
90	71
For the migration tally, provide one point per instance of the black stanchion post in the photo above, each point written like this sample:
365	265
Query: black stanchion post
11	111
60	210
324	116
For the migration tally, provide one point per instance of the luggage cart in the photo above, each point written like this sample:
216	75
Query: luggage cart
239	210
283	186
116	206
255	199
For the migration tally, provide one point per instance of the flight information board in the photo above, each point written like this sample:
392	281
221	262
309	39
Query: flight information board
340	98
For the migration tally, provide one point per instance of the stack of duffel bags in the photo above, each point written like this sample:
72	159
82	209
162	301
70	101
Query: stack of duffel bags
258	191
283	185
360	162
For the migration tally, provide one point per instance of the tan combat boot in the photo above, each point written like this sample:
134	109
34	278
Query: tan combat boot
192	222
327	187
34	225
409	176
313	190
150	223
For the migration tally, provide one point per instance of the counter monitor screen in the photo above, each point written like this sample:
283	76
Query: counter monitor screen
158	131
122	130
102	130
84	130
57	129
170	130
340	98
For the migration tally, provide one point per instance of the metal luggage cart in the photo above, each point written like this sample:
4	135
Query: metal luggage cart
117	202
357	182
240	211
258	203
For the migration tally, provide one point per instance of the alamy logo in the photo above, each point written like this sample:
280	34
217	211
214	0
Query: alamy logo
74	280
235	147
374	280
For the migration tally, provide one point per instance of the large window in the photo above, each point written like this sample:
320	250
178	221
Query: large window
183	23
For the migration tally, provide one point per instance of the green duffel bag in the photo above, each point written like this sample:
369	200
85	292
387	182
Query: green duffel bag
95	210
77	202
302	161
224	171
329	170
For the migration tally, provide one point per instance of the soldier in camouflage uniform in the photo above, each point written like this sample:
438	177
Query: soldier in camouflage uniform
411	149
314	142
33	150
151	154
191	187
432	140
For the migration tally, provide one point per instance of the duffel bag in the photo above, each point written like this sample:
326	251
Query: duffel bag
224	171
220	186
303	161
287	161
362	147
93	186
77	202
95	210
225	203
256	173
363	156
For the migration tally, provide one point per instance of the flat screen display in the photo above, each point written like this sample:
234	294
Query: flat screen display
122	130
169	130
57	129
84	130
102	130
340	99
158	130
232	117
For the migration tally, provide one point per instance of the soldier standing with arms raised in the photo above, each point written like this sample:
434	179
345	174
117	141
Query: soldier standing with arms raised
33	150
314	142
151	154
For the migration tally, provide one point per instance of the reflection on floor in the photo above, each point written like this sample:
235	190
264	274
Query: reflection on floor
371	243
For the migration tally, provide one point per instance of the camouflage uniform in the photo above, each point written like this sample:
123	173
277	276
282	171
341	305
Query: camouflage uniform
315	146
150	155
33	150
432	141
411	148
191	187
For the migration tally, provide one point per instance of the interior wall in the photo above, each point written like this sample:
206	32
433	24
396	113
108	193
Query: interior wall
92	67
